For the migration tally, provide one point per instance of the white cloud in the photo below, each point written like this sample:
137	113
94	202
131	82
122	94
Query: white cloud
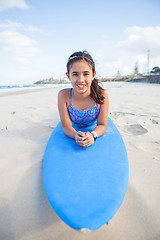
21	47
139	40
6	4
10	25
98	56
32	28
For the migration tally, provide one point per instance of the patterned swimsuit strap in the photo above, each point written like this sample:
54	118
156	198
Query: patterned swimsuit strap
70	102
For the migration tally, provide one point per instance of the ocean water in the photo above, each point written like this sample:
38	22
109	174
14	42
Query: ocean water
5	89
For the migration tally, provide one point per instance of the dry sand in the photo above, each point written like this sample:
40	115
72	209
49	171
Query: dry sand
27	120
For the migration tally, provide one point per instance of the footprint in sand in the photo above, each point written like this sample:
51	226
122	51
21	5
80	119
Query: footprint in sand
135	129
154	121
153	146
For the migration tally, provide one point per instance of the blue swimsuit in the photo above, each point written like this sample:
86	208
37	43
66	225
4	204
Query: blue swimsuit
83	118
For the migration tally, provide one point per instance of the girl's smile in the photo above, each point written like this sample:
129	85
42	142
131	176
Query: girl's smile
81	86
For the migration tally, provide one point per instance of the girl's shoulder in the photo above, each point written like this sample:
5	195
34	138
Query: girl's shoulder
64	95
64	92
105	94
105	100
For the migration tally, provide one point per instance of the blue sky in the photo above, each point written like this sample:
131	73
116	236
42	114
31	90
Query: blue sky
37	37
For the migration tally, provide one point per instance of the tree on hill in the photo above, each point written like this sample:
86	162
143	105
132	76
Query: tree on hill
118	74
156	70
136	70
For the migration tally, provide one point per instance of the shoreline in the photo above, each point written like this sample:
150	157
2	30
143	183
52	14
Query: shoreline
32	88
25	91
6	90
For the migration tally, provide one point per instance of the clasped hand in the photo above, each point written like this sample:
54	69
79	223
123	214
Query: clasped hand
84	139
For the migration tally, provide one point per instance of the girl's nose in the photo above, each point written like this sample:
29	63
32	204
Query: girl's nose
81	79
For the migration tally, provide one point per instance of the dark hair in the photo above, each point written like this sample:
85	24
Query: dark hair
96	90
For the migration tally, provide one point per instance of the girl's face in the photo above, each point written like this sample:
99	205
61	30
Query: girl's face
81	75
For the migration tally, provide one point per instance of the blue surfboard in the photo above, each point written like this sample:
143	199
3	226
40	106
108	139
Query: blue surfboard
86	186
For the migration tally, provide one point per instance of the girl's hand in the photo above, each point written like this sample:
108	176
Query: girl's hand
79	138
84	139
90	139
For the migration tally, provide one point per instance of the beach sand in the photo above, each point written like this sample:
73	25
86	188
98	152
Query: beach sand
27	120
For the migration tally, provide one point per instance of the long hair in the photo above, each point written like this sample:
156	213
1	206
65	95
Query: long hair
96	90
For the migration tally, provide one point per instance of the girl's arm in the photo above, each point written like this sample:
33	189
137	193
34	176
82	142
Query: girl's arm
102	117
64	115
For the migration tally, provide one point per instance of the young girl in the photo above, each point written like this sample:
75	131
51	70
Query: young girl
84	105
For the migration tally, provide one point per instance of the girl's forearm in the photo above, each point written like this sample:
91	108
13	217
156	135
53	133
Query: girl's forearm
70	132
100	130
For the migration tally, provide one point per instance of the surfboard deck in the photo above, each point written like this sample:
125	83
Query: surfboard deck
86	186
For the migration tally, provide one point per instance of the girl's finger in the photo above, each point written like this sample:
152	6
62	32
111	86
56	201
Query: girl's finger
81	134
